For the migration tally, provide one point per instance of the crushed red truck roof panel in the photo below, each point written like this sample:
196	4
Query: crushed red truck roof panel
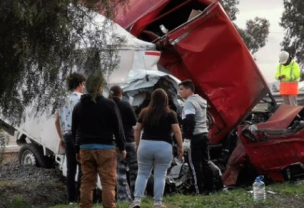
206	49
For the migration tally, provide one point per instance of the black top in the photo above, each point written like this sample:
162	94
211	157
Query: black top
162	132
128	118
97	122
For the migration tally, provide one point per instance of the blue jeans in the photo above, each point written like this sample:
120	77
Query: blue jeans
72	187
157	155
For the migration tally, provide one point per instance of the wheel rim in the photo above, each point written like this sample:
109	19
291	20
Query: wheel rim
28	158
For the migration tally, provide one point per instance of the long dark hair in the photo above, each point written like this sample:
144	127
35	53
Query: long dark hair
157	108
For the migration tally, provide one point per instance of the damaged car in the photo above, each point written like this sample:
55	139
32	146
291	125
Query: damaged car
198	41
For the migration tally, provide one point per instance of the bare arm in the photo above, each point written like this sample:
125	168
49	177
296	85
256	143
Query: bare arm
178	136
137	131
59	131
57	124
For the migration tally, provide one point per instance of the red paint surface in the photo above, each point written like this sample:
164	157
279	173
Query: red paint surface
210	52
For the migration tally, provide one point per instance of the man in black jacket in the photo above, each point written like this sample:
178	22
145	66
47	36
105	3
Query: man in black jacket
95	121
128	121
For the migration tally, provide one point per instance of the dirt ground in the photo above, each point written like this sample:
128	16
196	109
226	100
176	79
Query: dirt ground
29	186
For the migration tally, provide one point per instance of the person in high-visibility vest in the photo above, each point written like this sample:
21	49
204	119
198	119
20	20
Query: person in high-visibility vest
288	73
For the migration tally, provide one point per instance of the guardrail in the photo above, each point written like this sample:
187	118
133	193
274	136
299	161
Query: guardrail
279	99
262	106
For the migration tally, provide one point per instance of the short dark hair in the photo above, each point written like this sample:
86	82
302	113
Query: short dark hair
74	80
115	91
188	84
94	83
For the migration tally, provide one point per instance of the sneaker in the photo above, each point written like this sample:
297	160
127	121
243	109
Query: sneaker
135	204
73	204
159	204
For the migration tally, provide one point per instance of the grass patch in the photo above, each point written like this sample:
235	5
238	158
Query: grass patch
18	202
15	201
287	195
31	193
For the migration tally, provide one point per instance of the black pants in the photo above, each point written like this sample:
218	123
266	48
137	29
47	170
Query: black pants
72	186
199	163
125	191
131	162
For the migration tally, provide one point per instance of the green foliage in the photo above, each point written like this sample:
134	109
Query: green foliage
292	21
230	6
41	42
256	32
18	202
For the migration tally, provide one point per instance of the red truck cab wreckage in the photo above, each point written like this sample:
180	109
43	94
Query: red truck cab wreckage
198	41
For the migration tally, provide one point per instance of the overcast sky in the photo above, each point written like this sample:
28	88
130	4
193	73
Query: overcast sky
267	57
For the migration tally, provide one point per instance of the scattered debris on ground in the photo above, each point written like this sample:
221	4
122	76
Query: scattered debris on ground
30	185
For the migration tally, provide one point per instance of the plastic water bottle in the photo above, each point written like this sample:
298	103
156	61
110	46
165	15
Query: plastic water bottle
259	193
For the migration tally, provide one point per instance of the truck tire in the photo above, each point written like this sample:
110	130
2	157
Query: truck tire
32	154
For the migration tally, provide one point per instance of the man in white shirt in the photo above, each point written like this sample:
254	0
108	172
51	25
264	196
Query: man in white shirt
75	83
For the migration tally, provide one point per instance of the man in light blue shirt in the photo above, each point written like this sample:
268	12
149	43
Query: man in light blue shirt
75	83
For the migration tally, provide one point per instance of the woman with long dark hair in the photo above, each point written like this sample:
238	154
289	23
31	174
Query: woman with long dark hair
154	149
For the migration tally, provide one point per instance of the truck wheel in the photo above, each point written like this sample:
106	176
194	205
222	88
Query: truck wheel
32	154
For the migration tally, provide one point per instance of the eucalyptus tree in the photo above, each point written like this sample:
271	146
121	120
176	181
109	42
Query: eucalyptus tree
256	32
41	42
292	21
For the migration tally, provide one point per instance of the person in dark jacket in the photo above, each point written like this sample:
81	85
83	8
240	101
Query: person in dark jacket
95	121
128	120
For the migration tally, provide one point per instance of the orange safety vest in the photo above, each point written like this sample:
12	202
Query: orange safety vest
288	87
